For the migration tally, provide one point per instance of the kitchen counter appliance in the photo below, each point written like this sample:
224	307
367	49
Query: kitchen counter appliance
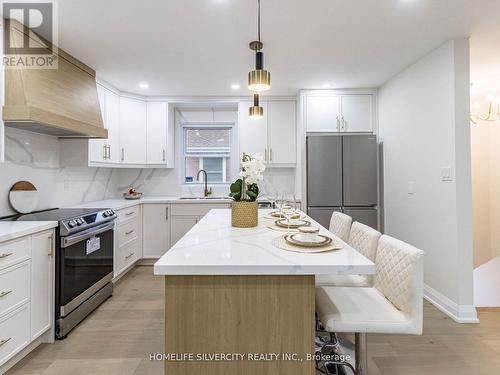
83	262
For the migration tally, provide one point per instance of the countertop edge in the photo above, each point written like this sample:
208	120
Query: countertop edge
25	228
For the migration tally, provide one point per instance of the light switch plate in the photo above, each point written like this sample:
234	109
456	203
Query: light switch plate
411	187
446	174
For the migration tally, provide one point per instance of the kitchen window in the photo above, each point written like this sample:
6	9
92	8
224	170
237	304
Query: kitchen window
208	147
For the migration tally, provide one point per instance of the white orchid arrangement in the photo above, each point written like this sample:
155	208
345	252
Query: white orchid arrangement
251	170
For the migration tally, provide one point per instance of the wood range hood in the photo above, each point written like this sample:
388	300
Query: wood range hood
61	102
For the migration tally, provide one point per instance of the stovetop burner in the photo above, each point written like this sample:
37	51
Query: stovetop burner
70	220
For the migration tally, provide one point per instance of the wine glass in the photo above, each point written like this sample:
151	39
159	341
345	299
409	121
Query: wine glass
289	208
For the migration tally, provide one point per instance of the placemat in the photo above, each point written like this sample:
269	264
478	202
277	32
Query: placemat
273	226
281	243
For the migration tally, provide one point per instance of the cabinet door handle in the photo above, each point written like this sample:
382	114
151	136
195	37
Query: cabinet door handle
338	123
104	154
164	155
196	221
343	123
5	341
51	238
128	256
123	153
270	154
129	232
265	154
3	294
5	255
109	152
129	213
166	213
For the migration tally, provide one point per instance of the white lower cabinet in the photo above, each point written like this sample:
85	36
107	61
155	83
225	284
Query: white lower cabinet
156	230
42	285
186	215
26	292
14	333
180	225
128	239
127	255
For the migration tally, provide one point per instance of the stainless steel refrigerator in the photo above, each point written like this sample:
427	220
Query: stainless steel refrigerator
342	175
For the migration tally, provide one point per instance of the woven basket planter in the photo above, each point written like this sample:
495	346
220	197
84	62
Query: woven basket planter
244	214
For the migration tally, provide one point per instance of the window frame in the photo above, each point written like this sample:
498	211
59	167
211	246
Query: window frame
233	153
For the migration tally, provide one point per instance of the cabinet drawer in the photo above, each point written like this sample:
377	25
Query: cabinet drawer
14	286
127	255
127	214
197	209
15	251
127	231
14	333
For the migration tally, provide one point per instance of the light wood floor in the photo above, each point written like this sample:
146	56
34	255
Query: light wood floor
118	337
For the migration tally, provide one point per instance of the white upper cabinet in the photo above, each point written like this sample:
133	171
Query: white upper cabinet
133	143
273	136
252	132
140	133
282	132
322	113
157	122
97	147
356	113
330	112
112	122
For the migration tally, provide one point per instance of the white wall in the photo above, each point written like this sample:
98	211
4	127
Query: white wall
36	158
424	126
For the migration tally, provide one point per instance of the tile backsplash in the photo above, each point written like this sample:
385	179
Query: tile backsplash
36	158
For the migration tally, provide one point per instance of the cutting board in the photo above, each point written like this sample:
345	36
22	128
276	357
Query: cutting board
23	197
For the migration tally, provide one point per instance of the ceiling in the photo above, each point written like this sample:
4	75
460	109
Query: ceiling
200	47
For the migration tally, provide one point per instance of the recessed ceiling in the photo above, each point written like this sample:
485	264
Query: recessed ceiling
200	47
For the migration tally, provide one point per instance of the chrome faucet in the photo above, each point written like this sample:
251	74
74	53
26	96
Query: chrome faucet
207	192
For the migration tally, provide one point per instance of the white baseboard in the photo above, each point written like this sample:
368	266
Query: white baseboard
459	313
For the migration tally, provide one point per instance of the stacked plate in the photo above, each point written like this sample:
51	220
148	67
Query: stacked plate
300	239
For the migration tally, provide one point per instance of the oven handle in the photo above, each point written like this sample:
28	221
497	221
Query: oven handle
71	240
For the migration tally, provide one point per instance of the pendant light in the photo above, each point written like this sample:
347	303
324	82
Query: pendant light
258	79
256	111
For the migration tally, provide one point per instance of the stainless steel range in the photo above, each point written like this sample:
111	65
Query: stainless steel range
84	261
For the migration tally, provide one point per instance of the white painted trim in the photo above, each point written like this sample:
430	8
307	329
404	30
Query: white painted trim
459	313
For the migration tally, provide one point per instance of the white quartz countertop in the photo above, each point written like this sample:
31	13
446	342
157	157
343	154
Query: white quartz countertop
213	247
120	203
14	229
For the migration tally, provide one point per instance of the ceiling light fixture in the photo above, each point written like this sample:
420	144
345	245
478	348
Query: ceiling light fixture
259	79
144	85
235	86
256	111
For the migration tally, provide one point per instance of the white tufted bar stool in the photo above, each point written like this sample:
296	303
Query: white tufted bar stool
365	240
340	225
394	305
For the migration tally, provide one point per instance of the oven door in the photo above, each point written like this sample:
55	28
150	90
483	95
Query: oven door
85	265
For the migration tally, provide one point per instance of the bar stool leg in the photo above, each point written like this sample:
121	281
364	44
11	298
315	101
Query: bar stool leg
361	354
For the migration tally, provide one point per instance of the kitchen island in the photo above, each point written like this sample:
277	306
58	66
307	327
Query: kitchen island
235	304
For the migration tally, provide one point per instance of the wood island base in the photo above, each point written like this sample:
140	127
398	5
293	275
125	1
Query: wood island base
265	322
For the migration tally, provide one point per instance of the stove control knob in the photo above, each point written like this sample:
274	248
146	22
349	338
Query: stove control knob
72	224
105	214
79	221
